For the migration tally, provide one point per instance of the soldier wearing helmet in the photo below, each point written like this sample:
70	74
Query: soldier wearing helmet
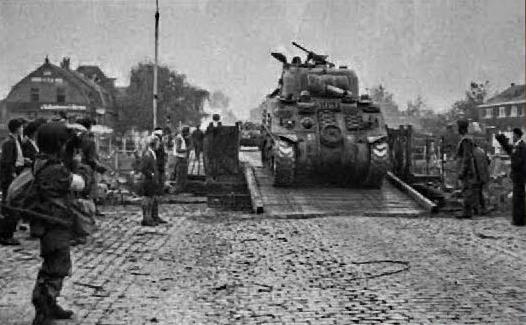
54	184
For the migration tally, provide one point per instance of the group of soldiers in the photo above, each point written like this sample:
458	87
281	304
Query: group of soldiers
473	172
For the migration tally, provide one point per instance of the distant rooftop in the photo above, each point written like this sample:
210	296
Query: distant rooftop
513	94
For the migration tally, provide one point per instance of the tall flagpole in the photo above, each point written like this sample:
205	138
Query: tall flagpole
155	97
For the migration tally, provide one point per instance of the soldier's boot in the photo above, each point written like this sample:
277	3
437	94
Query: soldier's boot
155	213
43	315
147	213
58	312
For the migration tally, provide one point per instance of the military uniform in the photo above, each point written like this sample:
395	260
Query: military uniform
467	174
53	185
150	189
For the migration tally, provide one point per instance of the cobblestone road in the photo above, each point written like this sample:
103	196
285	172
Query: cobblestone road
216	268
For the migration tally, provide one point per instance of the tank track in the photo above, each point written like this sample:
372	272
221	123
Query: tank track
378	163
284	163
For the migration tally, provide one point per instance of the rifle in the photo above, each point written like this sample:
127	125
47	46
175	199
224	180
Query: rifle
30	214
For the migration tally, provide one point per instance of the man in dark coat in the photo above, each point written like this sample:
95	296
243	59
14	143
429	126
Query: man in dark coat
11	164
181	159
29	144
517	151
197	142
53	187
150	186
160	154
467	173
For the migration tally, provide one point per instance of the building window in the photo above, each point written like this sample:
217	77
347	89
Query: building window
502	111
35	95
489	112
61	95
514	111
520	111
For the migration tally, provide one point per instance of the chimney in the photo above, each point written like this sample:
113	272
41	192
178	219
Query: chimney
65	63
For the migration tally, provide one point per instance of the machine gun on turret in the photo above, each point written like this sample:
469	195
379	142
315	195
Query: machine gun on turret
316	58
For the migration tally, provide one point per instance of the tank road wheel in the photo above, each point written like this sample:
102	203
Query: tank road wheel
283	163
378	163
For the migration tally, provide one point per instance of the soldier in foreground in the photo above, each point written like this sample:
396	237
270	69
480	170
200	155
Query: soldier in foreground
517	151
52	194
466	171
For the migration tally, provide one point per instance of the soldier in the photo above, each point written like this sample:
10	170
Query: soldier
53	186
181	160
150	186
197	141
30	150
466	171
216	121
517	151
160	154
482	162
11	164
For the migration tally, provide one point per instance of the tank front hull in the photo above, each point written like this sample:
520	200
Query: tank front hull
349	163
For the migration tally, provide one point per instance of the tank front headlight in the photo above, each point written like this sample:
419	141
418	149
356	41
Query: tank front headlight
307	122
304	96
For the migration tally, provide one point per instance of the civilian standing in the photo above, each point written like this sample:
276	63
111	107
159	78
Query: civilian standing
517	151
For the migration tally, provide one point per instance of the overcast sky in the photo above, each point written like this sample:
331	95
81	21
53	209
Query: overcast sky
432	48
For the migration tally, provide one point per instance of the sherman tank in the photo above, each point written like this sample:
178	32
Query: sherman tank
317	126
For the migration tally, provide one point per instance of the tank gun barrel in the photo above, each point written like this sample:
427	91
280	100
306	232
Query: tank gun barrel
317	58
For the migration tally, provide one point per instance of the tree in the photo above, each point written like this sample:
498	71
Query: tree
177	99
467	107
382	97
417	107
219	101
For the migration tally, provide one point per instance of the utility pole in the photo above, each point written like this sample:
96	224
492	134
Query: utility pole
155	97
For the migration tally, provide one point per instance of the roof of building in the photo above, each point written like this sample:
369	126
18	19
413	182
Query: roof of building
75	78
512	95
92	72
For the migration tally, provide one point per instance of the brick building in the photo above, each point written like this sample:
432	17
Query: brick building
503	112
51	89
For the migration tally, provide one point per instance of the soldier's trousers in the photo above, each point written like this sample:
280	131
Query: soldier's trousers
56	265
150	209
181	173
519	211
10	220
471	198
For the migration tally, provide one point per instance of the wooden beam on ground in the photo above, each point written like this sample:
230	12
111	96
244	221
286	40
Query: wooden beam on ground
253	188
424	202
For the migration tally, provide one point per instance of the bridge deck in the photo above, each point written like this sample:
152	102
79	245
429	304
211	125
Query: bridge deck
322	200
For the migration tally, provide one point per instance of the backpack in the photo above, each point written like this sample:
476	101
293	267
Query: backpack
481	163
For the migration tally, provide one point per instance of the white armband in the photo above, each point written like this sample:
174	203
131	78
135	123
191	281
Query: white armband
77	183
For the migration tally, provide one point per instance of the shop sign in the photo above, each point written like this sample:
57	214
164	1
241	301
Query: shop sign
70	107
50	80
